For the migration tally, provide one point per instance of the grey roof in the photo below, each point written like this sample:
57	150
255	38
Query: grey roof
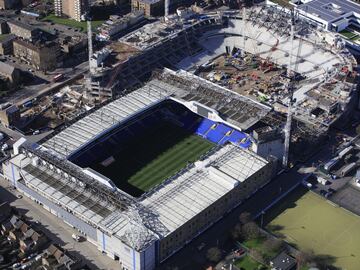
283	262
326	9
22	25
6	69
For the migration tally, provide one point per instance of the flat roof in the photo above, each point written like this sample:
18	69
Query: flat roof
330	10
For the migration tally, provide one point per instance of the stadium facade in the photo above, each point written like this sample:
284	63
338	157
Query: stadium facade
143	231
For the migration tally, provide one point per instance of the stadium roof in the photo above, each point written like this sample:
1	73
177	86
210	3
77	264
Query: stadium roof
234	108
330	10
160	211
193	190
97	123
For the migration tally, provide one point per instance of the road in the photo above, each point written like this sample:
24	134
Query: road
58	232
219	234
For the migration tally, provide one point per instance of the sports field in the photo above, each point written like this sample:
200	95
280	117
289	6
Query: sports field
158	154
312	223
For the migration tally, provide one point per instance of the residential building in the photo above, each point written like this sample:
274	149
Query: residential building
283	262
4	29
8	4
55	255
149	7
75	9
42	56
23	30
73	44
9	114
9	72
6	44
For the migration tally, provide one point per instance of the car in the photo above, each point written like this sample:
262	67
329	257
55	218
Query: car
76	237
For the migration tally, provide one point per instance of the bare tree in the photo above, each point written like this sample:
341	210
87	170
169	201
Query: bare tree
273	244
236	232
213	254
250	230
304	257
245	217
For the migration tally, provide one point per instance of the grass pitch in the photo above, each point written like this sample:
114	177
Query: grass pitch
153	157
312	223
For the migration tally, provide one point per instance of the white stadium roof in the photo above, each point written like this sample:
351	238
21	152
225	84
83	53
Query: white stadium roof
172	201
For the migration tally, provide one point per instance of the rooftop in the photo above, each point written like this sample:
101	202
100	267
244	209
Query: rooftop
173	201
330	10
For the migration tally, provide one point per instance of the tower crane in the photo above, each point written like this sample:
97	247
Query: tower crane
290	86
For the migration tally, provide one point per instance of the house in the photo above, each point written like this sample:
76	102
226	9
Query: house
283	261
56	255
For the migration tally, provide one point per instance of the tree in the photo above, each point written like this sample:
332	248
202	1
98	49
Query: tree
245	217
213	254
236	232
250	231
358	130
304	257
273	244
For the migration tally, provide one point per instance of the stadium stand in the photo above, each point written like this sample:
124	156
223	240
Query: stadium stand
169	111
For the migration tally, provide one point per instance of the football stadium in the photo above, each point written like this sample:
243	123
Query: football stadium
145	174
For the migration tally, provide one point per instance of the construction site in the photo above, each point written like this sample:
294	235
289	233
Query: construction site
220	101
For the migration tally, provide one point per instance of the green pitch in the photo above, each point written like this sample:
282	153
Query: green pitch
312	223
153	157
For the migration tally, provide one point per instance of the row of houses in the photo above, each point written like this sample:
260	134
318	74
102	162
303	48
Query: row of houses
30	247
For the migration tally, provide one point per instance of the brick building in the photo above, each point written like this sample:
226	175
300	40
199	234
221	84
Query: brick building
42	56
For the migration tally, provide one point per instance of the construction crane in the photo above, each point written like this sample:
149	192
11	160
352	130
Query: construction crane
242	7
291	76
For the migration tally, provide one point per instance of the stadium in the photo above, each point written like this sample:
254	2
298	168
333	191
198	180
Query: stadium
146	173
126	175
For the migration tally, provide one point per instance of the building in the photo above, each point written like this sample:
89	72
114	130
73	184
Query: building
42	56
8	4
340	16
10	73
149	7
6	44
283	262
74	9
9	115
4	29
76	43
117	24
23	30
55	255
140	232
335	15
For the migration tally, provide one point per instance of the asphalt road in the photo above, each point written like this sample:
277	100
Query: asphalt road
219	234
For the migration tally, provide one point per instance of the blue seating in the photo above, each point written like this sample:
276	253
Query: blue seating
204	127
120	136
